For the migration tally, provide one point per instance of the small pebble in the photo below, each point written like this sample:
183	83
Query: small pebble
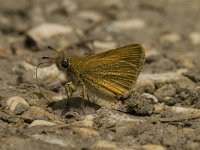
186	83
103	144
59	97
172	37
152	147
41	123
147	86
165	91
12	103
169	101
150	97
83	123
20	108
195	38
159	108
140	105
103	46
130	24
151	55
39	36
48	30
89	117
85	132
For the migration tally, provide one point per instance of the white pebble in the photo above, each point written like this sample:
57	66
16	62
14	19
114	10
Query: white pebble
195	38
151	97
89	117
152	53
41	123
128	24
12	102
48	30
103	144
152	146
172	37
104	45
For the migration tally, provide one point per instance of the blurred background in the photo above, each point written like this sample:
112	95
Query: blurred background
168	28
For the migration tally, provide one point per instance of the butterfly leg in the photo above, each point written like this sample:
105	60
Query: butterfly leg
84	96
84	92
69	88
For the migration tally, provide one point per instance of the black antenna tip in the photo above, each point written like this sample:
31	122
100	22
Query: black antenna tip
44	57
49	47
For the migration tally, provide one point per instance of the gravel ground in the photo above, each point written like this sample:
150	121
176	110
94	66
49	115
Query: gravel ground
163	111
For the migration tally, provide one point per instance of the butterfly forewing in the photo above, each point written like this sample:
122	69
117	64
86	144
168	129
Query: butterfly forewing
112	73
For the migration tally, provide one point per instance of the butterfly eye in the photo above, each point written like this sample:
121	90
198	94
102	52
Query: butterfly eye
65	63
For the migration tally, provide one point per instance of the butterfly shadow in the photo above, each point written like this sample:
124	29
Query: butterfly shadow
73	105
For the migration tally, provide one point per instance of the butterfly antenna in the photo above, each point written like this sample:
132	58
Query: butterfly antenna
51	48
44	57
38	80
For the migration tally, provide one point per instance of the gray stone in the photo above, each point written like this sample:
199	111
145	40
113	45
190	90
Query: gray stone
165	91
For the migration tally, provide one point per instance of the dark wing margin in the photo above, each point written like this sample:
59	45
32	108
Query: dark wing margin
113	73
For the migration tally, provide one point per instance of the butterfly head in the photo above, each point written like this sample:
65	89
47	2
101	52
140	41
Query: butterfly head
61	61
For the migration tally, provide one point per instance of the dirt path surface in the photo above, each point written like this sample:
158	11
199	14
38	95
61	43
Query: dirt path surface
162	113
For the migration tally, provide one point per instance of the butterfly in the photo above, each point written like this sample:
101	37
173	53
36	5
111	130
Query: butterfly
110	75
